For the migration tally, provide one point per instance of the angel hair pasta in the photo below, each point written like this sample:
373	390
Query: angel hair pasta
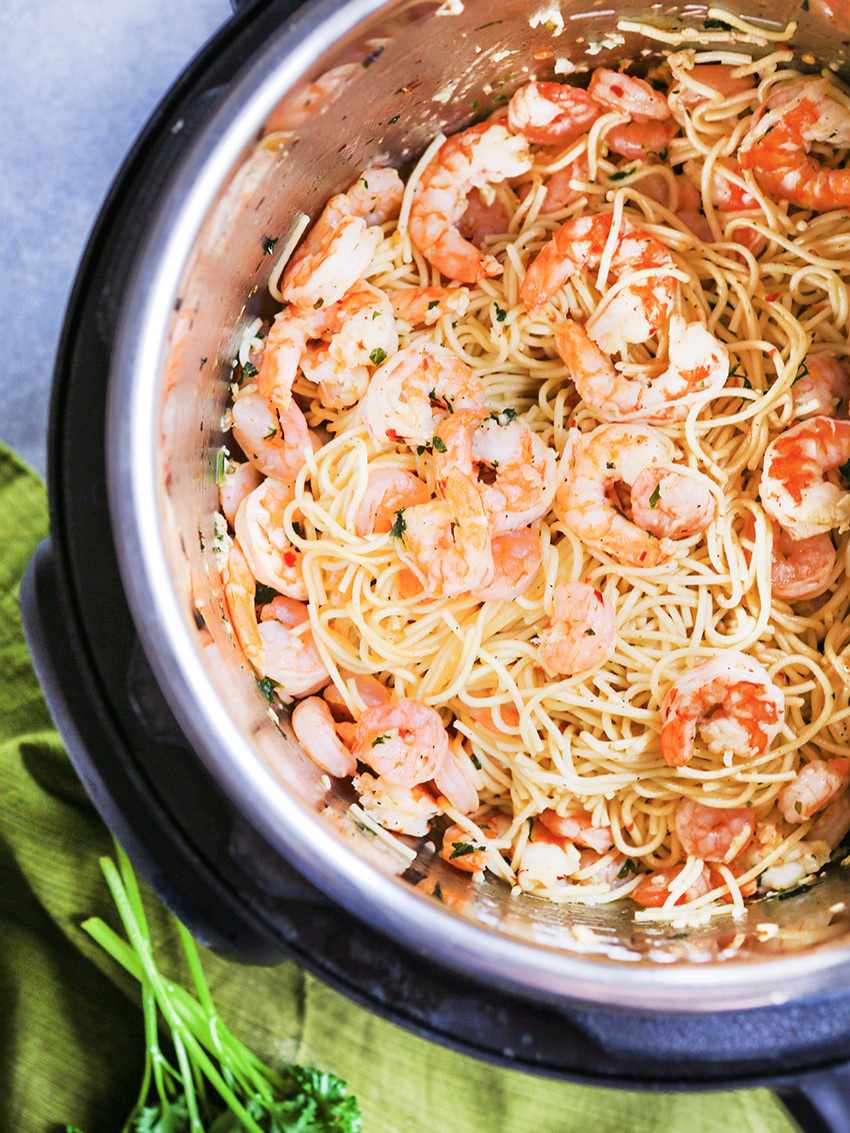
541	529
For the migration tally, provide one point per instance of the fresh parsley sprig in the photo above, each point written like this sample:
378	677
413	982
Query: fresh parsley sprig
212	1083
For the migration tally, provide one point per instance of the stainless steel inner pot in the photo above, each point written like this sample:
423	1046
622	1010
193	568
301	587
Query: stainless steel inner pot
336	89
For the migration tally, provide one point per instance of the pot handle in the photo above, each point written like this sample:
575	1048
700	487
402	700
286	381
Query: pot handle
819	1101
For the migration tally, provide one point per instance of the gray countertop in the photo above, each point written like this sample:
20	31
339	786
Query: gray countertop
79	80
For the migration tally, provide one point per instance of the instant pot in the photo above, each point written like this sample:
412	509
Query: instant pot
188	762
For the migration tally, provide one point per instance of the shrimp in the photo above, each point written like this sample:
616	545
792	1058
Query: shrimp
731	700
592	467
387	491
639	309
546	865
672	503
513	468
637	140
776	148
446	543
367	689
290	658
276	441
581	631
239	590
818	783
629	95
800	568
654	890
453	778
698	366
340	245
423	306
476	157
715	834
578	828
516	561
482	219
236	486
714	83
273	560
359	328
793	489
823	389
725	191
552	113
409	394
404	741
465	851
407	810
316	731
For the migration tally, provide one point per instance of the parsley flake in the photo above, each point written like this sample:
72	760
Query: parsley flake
378	356
268	244
655	497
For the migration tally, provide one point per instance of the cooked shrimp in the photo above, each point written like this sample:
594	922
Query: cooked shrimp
636	140
671	503
388	490
793	489
715	834
832	823
629	95
733	703
482	219
638	310
273	560
516	561
316	731
823	389
290	658
446	542
466	852
507	714
776	148
800	568
403	741
714	83
236	486
339	247
581	631
359	328
475	157
815	786
546	865
239	590
698	366
276	441
337	386
453	778
552	113
409	394
422	306
592	467
654	890
578	828
408	810
725	190
513	468
367	689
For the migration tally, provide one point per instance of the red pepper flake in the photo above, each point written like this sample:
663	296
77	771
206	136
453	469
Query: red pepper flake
600	597
772	297
642	555
394	437
289	558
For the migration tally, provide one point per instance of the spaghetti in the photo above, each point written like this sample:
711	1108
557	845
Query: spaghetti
558	780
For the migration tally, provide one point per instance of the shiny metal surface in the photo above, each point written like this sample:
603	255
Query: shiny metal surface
394	75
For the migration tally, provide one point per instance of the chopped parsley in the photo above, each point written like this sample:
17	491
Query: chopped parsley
318	304
220	471
621	174
441	401
399	527
802	372
439	444
249	370
267	687
380	739
268	244
461	849
655	497
264	594
627	868
378	356
433	303
501	313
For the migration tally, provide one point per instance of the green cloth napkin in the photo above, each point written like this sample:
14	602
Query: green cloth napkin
71	1048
